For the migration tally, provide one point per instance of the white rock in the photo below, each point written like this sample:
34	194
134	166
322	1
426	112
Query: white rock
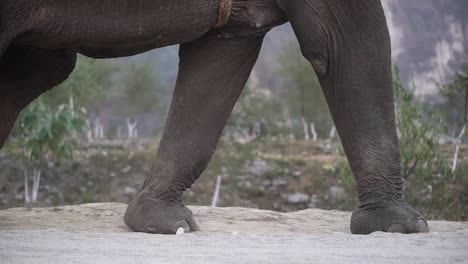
337	193
298	197
261	167
129	190
180	231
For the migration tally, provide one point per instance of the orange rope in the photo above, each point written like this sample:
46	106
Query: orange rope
224	12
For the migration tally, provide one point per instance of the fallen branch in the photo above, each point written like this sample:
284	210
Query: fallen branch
214	201
458	142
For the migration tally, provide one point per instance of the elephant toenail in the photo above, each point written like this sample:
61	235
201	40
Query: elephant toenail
180	231
397	228
421	226
181	224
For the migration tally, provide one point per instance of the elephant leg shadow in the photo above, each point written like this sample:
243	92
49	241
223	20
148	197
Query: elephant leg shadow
26	73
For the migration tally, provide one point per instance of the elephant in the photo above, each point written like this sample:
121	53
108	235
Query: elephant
346	42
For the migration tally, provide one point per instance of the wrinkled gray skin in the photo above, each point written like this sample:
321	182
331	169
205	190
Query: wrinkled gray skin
346	42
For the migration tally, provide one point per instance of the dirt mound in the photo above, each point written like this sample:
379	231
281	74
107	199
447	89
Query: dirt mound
95	233
108	217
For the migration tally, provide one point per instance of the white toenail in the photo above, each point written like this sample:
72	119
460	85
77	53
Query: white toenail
180	231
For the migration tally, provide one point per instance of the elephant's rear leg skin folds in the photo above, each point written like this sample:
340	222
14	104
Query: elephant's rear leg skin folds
5	38
212	74
348	44
25	73
4	41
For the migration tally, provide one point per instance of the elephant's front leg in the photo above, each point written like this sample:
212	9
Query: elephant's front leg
26	73
348	44
212	74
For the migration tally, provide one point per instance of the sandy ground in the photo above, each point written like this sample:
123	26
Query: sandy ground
95	233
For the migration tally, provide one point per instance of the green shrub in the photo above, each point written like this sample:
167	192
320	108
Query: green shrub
43	131
419	132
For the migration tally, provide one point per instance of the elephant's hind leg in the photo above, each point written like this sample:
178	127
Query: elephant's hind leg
348	44
212	74
4	42
25	73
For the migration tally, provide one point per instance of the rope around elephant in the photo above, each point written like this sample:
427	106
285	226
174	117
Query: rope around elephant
224	12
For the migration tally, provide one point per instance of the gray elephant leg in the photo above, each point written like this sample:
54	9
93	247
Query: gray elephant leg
348	45
212	74
4	43
25	73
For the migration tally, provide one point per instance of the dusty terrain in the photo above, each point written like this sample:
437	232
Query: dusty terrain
95	233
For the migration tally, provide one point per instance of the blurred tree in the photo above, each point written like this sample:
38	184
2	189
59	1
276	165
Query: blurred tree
46	132
141	93
456	95
141	90
88	84
419	132
256	112
112	93
305	100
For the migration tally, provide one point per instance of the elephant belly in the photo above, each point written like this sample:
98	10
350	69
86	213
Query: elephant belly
115	28
129	48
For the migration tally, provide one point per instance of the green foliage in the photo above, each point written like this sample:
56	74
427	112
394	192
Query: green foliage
252	107
88	85
419	132
117	92
456	95
341	172
141	90
43	130
303	93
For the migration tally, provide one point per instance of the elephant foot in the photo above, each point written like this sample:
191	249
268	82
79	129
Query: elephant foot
155	215
398	218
